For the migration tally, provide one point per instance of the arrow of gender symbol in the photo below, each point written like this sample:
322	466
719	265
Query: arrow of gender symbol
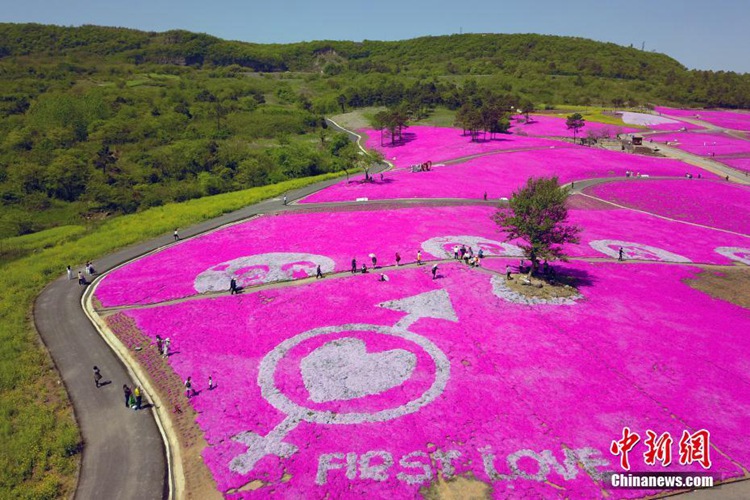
434	304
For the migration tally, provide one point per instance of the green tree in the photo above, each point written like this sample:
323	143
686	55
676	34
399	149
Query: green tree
575	122
537	216
527	107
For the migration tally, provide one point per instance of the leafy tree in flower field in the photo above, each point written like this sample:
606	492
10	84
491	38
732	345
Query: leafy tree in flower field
537	216
575	122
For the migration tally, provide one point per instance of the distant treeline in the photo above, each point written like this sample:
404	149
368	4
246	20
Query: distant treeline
529	57
97	120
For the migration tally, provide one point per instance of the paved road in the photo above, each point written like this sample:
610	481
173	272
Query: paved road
123	455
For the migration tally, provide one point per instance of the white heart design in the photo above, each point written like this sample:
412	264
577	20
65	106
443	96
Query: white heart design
342	369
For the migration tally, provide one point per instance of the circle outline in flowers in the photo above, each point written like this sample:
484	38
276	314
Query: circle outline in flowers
275	398
436	246
273	266
605	247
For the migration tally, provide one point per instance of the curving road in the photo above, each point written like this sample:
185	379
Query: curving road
124	455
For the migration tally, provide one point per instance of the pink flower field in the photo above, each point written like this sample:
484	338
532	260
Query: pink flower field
704	144
380	384
711	203
742	164
372	389
439	144
501	174
734	120
555	126
289	246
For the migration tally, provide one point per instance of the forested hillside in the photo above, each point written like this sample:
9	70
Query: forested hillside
97	121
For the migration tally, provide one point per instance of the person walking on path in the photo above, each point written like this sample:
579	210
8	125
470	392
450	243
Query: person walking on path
364	268
285	200
485	196
398	259
620	255
189	387
138	397
507	272
97	377
81	279
165	348
90	268
374	261
126	391
176	235
159	344
455	252
232	286
70	273
434	271
419	257
318	272
354	266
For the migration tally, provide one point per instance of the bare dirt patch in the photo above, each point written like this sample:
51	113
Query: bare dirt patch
731	284
457	488
562	287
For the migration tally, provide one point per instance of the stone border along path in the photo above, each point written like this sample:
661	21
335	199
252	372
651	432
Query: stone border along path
124	454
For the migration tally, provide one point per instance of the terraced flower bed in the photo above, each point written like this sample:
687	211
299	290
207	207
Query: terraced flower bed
389	383
712	203
738	163
704	144
555	126
438	144
735	120
499	175
437	385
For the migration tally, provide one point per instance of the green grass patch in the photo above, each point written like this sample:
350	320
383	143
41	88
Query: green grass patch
40	440
19	246
440	117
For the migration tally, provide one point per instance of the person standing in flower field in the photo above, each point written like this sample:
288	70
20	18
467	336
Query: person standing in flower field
189	387
434	271
210	383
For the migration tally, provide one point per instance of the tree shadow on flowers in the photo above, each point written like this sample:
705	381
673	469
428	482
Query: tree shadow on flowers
405	138
575	277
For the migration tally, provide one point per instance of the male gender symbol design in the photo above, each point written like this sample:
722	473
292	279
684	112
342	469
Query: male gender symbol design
369	374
